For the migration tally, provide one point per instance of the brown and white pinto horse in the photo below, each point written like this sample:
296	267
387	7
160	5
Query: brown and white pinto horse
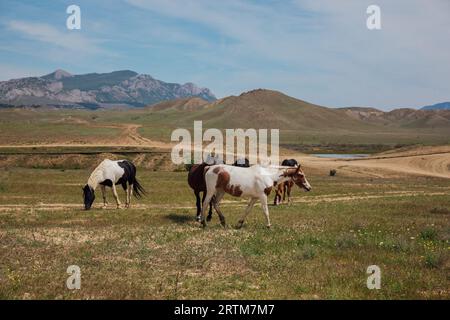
255	183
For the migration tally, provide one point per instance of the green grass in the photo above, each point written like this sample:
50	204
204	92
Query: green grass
49	126
315	249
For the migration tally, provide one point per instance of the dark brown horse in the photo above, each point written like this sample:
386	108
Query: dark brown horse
196	180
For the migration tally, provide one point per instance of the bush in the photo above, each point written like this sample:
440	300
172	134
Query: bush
433	260
428	234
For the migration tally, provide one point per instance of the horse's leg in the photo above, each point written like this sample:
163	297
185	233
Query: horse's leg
115	195
285	187
278	193
198	204
127	196
125	189
130	193
265	208
289	189
209	196
216	202
208	218
250	205
103	189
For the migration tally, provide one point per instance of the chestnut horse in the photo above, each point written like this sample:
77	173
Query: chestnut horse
285	187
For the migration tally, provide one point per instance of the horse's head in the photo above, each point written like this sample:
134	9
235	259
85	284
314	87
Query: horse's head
298	177
89	196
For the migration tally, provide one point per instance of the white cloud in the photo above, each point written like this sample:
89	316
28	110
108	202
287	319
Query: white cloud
72	41
318	50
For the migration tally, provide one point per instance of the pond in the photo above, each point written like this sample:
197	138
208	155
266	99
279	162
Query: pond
341	155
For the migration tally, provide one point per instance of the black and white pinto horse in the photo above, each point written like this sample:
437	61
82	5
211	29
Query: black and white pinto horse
110	173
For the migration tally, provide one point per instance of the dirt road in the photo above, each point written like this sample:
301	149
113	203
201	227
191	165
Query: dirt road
229	203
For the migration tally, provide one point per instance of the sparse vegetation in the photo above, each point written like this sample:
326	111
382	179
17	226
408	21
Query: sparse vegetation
428	234
319	247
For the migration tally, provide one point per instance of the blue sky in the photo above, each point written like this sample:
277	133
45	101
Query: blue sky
315	50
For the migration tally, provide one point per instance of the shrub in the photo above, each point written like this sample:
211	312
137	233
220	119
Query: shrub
433	260
428	234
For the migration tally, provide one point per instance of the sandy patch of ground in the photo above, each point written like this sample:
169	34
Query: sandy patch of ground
63	236
424	161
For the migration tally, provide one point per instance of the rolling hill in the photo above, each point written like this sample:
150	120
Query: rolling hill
403	117
264	109
272	109
185	104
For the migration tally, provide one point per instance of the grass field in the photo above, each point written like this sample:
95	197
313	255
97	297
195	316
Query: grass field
377	211
100	127
318	248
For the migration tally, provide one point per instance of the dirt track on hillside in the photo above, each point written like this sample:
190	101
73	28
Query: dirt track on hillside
129	137
433	161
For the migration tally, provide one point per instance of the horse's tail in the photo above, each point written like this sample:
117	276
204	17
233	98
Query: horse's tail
138	190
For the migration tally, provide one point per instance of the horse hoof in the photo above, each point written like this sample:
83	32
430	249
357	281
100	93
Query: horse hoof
269	226
223	224
208	218
198	219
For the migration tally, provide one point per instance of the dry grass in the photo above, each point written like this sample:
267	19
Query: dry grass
318	248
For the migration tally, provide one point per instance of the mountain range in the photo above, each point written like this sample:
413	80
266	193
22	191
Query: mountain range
94	90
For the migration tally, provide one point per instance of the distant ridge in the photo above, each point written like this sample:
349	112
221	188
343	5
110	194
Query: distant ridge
95	90
57	75
438	106
262	108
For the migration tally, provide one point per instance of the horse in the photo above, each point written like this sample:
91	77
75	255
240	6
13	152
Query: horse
196	180
255	182
286	187
111	173
242	162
